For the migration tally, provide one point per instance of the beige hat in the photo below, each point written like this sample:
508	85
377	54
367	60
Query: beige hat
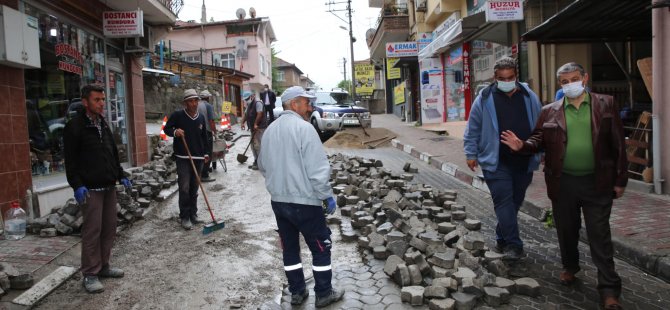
190	94
205	94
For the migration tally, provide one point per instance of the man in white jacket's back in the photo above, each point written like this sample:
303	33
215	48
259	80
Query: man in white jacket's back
297	172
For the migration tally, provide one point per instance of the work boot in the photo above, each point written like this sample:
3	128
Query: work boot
92	284
513	253
333	296
207	179
111	272
186	224
195	220
298	299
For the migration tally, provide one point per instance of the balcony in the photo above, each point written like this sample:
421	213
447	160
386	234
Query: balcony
392	26
156	12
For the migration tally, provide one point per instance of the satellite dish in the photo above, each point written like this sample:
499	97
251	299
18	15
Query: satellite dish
252	12
240	13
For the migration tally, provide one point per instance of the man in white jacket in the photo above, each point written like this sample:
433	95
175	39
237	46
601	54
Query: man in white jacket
297	171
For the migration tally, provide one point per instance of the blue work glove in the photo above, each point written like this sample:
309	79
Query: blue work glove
330	205
80	194
126	182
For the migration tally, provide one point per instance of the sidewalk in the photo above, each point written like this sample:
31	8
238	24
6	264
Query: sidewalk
640	221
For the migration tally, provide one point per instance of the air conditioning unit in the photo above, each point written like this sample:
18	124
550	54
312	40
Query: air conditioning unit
421	5
140	44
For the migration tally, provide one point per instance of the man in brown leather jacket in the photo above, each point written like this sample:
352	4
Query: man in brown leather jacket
585	169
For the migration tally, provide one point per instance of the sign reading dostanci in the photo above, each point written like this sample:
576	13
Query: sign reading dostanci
402	49
123	24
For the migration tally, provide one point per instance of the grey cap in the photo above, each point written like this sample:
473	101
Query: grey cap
190	94
295	91
205	94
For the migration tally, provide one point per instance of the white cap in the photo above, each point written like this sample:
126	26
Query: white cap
295	91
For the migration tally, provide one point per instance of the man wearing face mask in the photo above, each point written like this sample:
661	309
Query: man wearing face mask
269	98
504	105
585	169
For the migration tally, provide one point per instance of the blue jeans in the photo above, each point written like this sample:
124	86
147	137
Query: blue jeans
508	189
295	219
188	187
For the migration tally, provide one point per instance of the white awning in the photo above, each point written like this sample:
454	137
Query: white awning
445	40
157	71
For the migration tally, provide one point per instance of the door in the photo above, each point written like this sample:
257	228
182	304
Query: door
117	115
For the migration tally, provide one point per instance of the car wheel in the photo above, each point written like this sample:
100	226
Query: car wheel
316	125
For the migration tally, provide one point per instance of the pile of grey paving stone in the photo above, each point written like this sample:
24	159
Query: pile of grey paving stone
148	181
11	278
431	246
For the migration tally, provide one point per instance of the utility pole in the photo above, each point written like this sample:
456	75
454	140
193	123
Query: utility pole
344	66
351	40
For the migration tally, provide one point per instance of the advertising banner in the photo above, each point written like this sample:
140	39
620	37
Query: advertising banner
365	79
424	38
504	11
467	90
123	24
399	94
226	107
402	49
432	92
391	72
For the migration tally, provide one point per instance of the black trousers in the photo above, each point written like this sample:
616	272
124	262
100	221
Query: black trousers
210	147
578	196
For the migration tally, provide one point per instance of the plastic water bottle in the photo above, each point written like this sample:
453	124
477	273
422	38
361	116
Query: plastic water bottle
15	222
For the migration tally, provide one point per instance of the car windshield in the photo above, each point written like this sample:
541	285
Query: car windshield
333	98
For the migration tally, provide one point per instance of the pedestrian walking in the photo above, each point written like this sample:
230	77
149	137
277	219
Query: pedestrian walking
254	119
503	105
92	169
207	110
297	173
269	98
189	125
585	169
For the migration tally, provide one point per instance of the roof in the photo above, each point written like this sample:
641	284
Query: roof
596	20
237	22
283	64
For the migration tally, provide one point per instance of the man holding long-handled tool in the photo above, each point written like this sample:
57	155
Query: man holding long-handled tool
189	125
297	172
254	118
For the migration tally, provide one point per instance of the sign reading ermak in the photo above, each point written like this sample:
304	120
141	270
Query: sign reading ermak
123	24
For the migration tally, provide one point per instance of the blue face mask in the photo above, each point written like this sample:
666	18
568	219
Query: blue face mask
506	87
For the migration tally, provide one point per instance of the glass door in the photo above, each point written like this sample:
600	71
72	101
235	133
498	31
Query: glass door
117	114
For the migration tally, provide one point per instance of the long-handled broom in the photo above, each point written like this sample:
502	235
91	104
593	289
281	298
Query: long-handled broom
214	225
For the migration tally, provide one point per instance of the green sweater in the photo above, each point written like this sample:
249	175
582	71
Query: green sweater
579	157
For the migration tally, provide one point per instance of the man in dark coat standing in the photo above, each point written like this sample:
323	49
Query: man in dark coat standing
269	98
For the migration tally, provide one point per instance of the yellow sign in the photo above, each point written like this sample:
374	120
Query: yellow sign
226	106
365	79
392	73
399	93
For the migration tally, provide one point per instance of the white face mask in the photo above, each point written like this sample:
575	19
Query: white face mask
506	87
574	89
266	89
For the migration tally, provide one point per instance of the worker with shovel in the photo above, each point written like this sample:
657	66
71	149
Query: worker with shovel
190	125
297	173
254	118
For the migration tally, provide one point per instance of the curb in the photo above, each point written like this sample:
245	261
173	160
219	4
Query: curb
658	266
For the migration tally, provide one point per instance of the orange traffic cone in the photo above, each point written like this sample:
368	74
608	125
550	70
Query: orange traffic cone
163	135
225	123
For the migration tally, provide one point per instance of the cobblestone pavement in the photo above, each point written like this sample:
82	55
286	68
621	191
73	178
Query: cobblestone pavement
367	287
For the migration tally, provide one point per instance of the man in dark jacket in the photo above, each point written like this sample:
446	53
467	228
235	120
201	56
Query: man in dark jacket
188	124
269	98
585	169
92	168
254	118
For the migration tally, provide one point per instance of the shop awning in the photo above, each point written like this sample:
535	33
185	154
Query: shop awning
473	27
591	20
156	71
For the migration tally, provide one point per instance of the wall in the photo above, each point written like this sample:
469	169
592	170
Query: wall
15	172
136	112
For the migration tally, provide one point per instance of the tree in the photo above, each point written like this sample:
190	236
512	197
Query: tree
275	71
345	84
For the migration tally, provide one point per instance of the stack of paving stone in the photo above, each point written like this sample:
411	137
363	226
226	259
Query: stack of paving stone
147	180
11	278
432	249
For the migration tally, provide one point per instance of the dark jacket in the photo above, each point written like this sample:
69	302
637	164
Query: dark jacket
273	98
195	134
90	160
550	135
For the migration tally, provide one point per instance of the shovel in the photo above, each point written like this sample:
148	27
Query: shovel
242	158
214	225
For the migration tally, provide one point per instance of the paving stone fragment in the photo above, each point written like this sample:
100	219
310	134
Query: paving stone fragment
528	287
395	236
462	273
442	217
21	282
418	244
379	252
491	256
63	229
415	274
474	241
384	228
507	284
398	247
401	275
465	259
442	304
464	301
435	292
346	211
445	260
452	237
376	239
410	257
457	207
53	220
423	265
495	296
412	295
469	286
498	268
391	264
4	281
445	228
471	224
439	272
349	236
458	215
431	238
48	232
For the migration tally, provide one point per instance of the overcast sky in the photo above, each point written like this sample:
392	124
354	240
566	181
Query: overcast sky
307	34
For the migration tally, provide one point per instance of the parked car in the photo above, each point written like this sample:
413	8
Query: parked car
333	110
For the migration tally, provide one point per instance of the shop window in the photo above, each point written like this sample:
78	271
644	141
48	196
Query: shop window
482	64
